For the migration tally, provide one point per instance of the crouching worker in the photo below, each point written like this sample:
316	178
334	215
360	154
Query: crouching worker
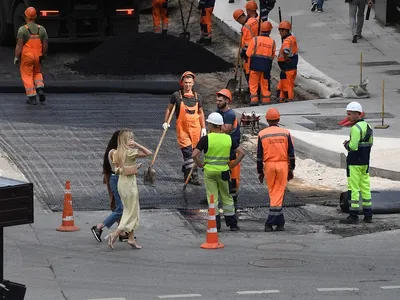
217	147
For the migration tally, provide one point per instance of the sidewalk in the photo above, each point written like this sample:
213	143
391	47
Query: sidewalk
329	61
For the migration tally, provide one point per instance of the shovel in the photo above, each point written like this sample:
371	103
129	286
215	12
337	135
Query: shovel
232	83
185	34
150	173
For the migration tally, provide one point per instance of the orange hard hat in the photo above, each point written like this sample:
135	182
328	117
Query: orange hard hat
272	114
285	25
266	26
30	13
251	5
238	13
226	93
187	73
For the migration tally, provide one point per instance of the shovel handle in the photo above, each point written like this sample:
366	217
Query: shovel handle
171	114
190	13
182	17
188	177
238	55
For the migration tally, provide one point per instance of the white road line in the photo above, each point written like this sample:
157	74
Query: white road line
257	292
390	287
337	289
179	296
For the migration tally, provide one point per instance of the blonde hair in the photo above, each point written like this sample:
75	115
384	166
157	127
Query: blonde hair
120	155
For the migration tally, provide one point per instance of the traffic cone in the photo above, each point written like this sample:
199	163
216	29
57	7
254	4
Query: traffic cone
212	233
68	223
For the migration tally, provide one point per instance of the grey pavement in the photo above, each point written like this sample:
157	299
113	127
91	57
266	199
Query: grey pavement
325	43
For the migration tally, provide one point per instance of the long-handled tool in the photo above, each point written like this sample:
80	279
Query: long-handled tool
184	34
382	126
188	19
280	14
150	173
233	82
188	177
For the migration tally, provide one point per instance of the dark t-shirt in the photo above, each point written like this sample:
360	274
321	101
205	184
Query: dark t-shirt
203	144
177	98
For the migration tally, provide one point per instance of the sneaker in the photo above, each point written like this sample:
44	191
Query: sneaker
280	228
31	100
313	6
367	219
96	233
320	10
350	220
354	40
268	228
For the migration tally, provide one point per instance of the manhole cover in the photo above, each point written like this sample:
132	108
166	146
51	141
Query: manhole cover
278	263
280	247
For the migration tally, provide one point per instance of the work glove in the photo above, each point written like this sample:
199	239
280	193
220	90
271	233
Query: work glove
203	132
261	177
165	125
346	144
16	61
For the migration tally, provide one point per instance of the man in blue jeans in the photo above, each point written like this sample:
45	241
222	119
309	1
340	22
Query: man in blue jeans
317	5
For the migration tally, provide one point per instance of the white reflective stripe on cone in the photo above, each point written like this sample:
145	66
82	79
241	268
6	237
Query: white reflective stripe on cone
68	218
211	217
211	206
212	230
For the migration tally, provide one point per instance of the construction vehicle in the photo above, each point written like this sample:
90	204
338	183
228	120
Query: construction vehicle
72	21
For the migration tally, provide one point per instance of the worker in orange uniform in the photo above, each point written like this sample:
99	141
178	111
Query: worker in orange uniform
251	9
30	51
261	52
206	8
287	60
275	159
160	16
190	122
231	127
249	30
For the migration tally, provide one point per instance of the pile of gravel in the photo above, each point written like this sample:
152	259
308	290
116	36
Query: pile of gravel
148	53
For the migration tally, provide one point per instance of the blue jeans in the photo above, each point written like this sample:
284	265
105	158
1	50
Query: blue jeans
320	3
117	213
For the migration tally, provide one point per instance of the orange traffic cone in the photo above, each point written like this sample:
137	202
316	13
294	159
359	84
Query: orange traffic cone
68	223
212	233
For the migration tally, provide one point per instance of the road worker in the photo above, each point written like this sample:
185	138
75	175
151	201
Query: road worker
190	122
231	127
217	147
287	61
261	52
265	8
275	161
249	30
206	8
359	150
30	51
160	16
251	9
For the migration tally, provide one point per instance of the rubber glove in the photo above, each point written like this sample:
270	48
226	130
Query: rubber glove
165	125
203	132
16	61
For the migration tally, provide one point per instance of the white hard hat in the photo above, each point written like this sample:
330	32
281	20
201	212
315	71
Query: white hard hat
215	118
354	106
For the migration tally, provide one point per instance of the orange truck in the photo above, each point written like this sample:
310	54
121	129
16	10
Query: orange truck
71	21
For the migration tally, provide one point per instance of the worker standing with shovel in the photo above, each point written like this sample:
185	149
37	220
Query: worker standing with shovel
190	122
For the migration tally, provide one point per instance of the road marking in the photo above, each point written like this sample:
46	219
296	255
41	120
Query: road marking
109	299
390	287
336	289
257	292
179	296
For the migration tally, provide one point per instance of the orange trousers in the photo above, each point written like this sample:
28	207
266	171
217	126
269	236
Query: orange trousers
235	179
286	84
276	174
257	80
160	15
31	75
205	22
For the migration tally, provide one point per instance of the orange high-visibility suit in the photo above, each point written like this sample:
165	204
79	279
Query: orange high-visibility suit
30	68
275	153
160	15
261	52
288	67
249	30
207	8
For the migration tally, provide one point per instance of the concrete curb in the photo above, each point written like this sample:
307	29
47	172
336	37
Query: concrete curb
98	86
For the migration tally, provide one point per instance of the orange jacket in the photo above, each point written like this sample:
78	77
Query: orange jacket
249	30
261	51
289	47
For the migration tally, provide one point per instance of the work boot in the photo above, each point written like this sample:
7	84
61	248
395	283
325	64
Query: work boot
195	178
40	92
164	32
96	233
350	220
234	227
280	228
354	40
268	228
31	100
218	219
200	40
367	219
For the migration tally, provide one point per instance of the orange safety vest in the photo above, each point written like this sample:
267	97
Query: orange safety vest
262	53
34	44
275	143
249	30
188	123
289	44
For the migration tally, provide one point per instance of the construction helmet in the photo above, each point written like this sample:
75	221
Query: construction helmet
251	5
226	93
187	73
272	114
285	25
215	118
266	26
354	106
30	13
238	13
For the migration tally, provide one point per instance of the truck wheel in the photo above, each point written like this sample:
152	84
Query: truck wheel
5	30
18	17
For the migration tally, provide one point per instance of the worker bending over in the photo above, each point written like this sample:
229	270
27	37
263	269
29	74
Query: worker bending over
217	147
190	123
160	16
275	161
261	52
206	8
30	51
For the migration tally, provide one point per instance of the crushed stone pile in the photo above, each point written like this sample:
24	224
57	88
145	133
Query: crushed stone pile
148	53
